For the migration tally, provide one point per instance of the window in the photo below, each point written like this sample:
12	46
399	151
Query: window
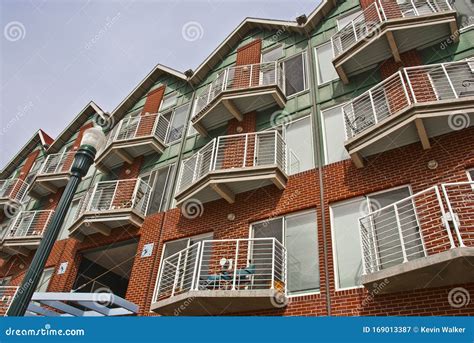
161	187
273	54
298	233
295	74
169	100
69	220
33	171
334	137
177	120
346	238
299	140
346	19
45	279
470	174
325	69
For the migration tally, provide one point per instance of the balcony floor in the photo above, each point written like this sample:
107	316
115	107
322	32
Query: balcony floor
126	151
44	185
234	104
451	267
228	182
104	222
216	302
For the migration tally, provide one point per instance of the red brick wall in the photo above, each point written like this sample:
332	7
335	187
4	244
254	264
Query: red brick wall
247	54
153	100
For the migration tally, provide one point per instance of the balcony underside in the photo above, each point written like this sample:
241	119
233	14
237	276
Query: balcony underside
19	246
416	123
104	222
44	185
226	183
216	302
450	267
234	104
393	38
121	152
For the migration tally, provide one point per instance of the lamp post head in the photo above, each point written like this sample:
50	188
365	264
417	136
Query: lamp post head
93	138
92	141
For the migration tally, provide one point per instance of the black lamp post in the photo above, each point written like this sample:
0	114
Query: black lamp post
93	139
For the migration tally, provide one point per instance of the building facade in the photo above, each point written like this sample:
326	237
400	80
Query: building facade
323	166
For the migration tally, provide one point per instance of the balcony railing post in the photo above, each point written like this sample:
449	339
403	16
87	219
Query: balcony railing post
176	276
379	7
134	194
234	279
443	215
215	152
364	269
275	159
201	254
251	75
155	125
245	149
449	81
373	107
88	206
272	286
118	130
400	233
405	91
410	85
196	264
453	215
355	31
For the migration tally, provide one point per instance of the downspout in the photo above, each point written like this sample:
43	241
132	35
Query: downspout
320	163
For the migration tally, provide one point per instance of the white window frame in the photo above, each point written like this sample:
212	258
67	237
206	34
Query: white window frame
50	269
305	72
361	198
152	187
323	129
283	218
316	60
173	113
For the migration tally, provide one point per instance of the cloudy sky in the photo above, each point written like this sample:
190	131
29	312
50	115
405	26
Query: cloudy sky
57	55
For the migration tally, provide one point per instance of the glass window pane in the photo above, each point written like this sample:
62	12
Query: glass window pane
294	74
345	228
269	229
333	121
301	243
178	121
326	70
45	279
169	100
471	175
161	189
299	141
273	54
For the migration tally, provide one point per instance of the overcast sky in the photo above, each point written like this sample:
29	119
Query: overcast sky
56	55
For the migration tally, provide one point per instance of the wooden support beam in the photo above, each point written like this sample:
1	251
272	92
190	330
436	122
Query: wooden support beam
224	192
342	75
420	127
357	159
278	100
124	155
454	31
229	104
393	46
279	183
199	128
101	228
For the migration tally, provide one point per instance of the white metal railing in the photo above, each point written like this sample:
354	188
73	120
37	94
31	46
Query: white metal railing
227	265
247	150
29	224
241	77
130	194
138	126
57	163
424	224
409	86
7	294
367	23
13	189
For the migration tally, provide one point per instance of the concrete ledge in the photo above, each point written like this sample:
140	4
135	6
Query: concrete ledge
454	266
217	302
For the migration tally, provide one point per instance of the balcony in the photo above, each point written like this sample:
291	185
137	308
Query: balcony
110	205
216	277
389	28
25	232
238	90
53	175
411	105
425	240
228	165
7	293
134	136
12	192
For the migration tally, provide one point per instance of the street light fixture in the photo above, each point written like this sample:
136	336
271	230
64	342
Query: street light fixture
92	141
